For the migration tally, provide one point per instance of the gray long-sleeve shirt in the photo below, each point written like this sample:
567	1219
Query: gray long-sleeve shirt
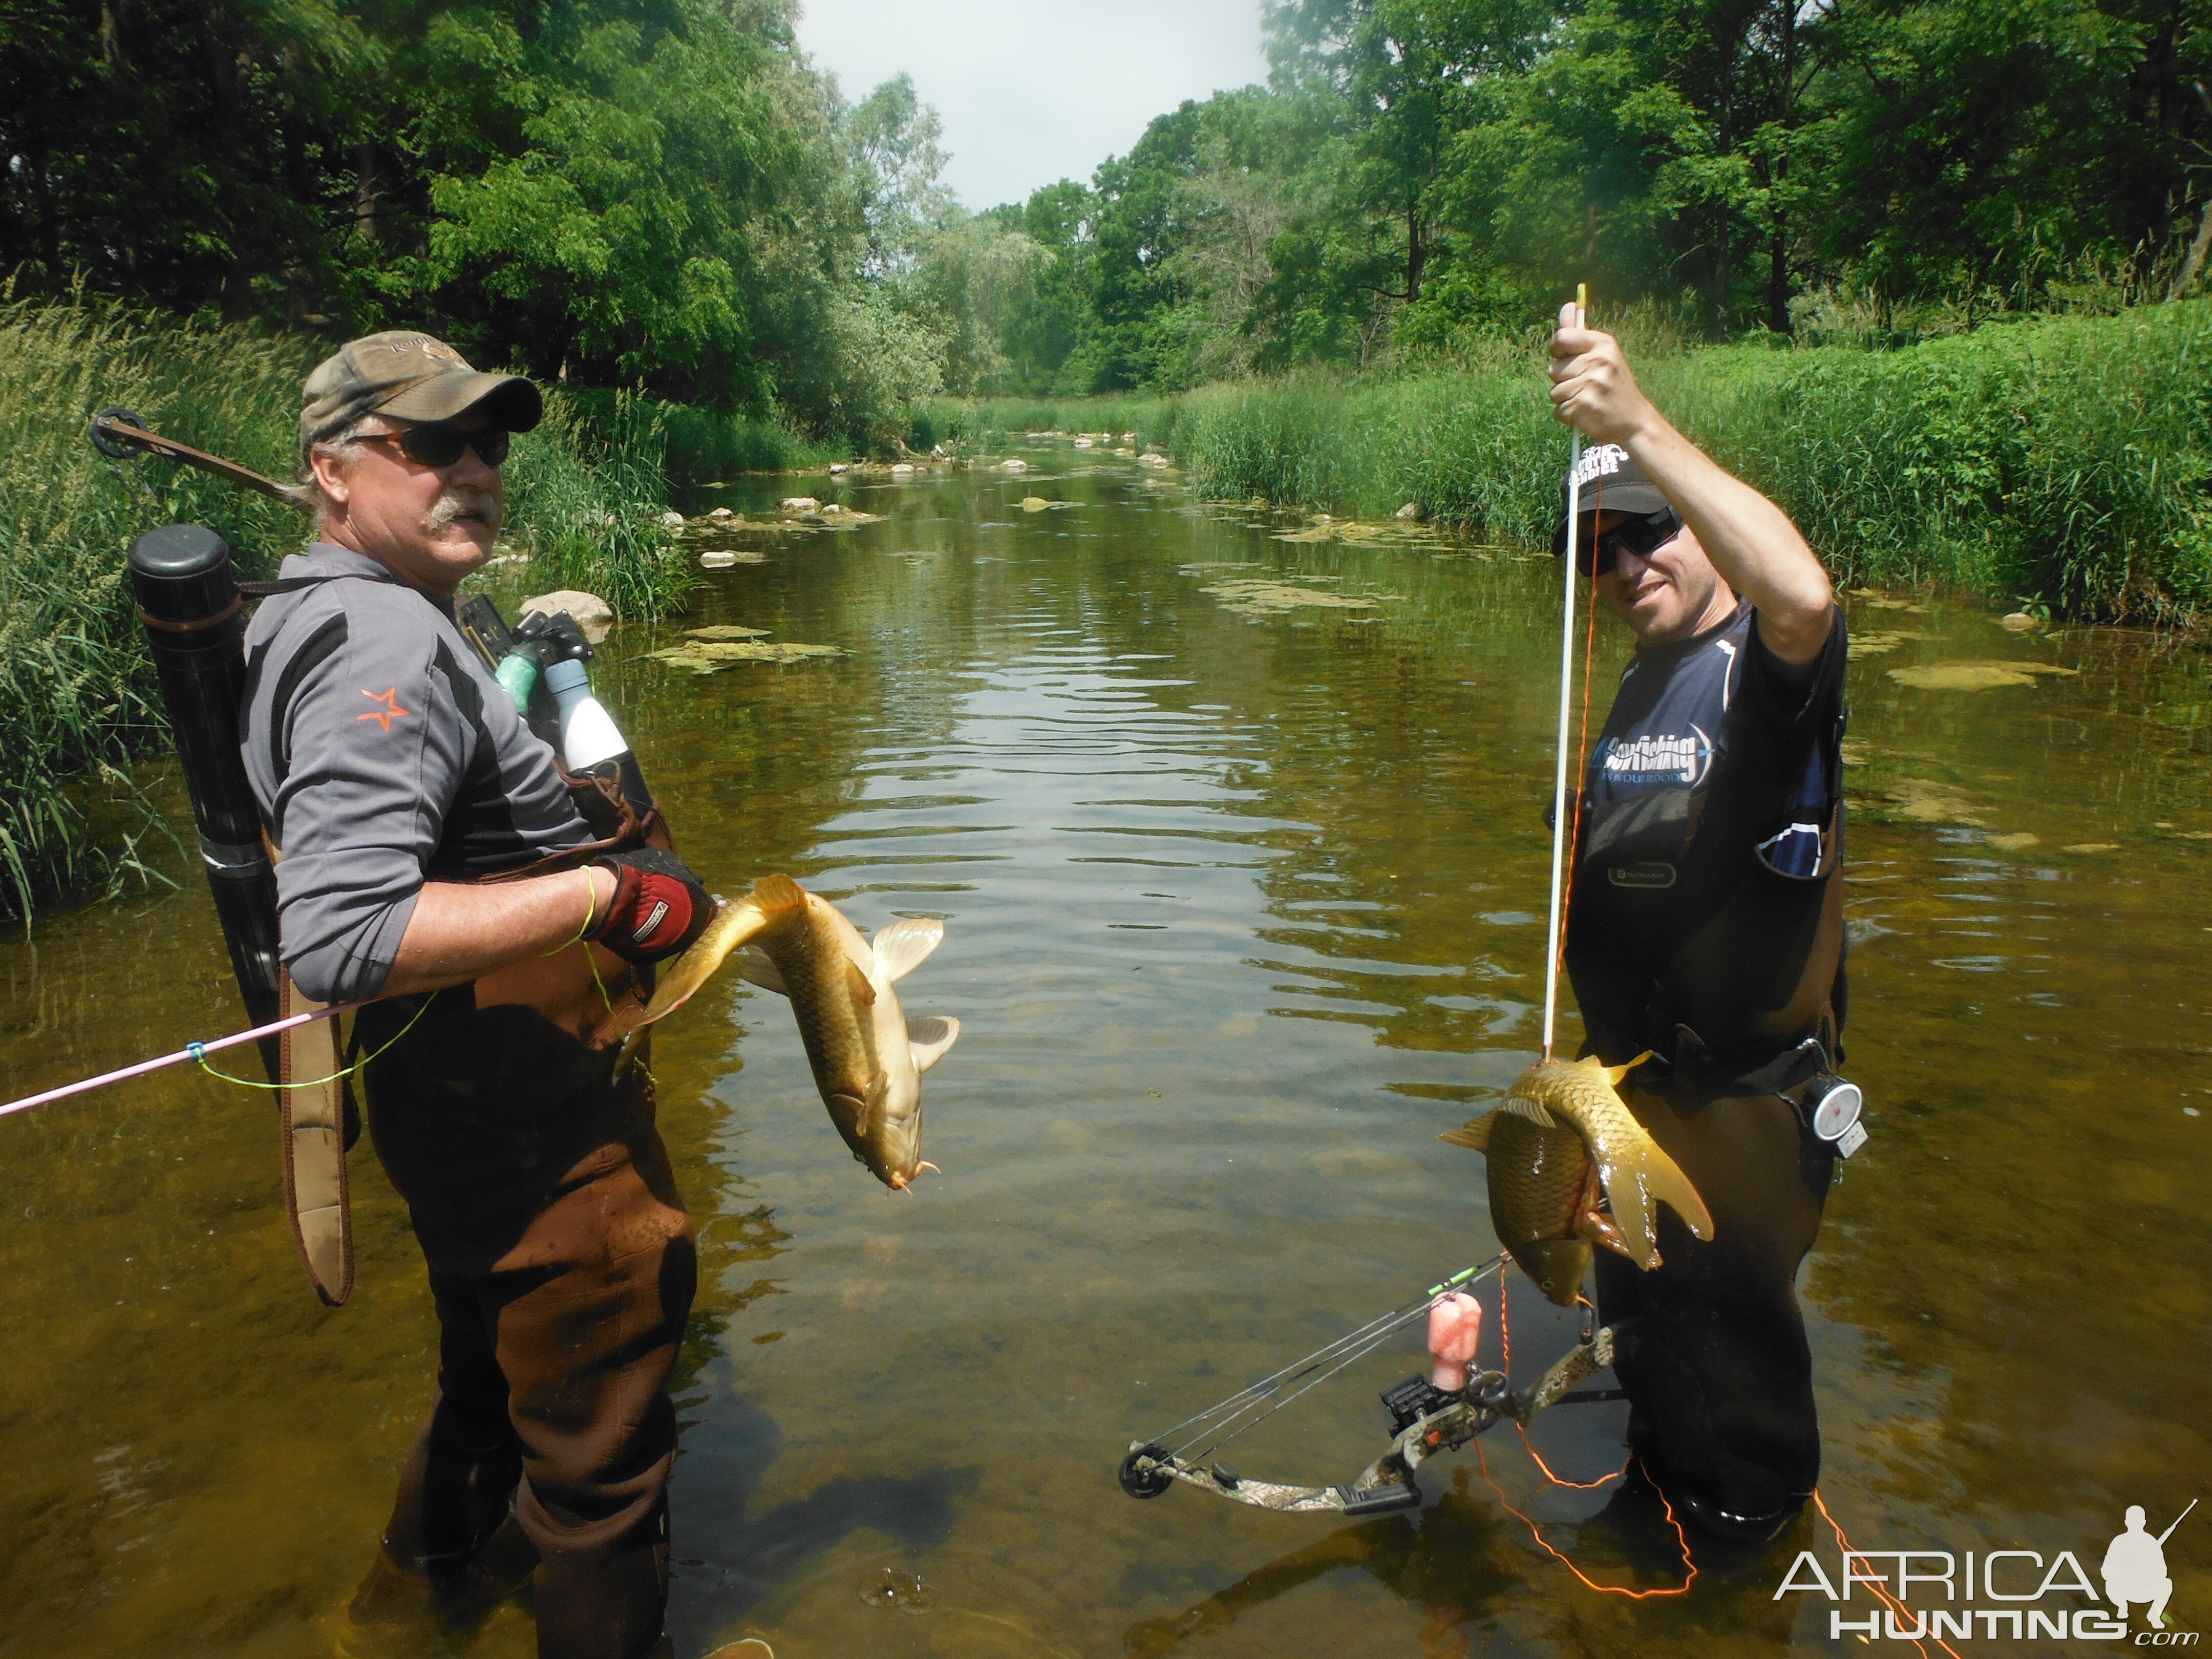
383	756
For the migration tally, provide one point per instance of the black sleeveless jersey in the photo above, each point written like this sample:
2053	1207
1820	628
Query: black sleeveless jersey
1710	830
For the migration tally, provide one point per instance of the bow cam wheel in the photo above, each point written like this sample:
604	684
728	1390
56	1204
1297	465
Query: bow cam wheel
1147	1480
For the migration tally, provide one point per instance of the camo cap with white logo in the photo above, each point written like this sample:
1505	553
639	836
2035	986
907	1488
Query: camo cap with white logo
411	377
1612	481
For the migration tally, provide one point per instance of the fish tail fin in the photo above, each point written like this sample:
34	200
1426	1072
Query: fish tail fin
901	947
1664	1179
1644	1178
1614	1074
1475	1135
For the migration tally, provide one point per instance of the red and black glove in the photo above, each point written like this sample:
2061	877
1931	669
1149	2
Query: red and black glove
659	906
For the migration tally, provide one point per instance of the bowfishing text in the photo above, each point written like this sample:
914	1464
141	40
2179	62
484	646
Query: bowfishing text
1887	1580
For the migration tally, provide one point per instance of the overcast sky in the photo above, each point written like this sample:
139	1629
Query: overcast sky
1035	90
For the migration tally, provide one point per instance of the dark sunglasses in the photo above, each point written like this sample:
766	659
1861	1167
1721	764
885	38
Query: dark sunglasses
1596	556
430	443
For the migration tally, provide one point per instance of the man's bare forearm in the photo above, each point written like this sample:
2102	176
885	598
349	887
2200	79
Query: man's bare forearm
460	933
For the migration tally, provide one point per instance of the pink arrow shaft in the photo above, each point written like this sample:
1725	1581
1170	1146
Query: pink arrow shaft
191	1051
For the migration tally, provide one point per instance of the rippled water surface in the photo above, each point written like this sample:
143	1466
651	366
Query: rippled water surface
1243	902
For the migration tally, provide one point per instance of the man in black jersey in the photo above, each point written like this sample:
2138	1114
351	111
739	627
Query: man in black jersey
1707	927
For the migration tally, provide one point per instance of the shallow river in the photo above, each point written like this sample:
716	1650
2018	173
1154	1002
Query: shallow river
1243	901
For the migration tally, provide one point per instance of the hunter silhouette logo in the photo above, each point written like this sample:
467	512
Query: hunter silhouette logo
391	711
2134	1567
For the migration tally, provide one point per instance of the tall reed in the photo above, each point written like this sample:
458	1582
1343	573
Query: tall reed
2068	459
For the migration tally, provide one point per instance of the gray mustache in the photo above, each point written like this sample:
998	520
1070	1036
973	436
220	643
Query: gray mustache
463	502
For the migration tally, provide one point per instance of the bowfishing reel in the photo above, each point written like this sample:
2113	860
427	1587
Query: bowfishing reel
1832	1107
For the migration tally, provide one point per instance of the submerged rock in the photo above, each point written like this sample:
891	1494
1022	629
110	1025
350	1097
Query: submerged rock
721	513
899	469
2019	621
593	614
1411	511
717	561
798	504
1034	504
672	518
1017	464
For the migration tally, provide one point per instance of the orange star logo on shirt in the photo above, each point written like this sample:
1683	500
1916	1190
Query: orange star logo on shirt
391	711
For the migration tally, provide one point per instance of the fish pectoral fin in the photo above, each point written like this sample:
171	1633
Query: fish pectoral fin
1475	1135
1601	1229
900	947
1614	1074
756	967
858	982
860	1109
929	1037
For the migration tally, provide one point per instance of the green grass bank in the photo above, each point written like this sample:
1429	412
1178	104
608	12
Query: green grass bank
2068	459
77	699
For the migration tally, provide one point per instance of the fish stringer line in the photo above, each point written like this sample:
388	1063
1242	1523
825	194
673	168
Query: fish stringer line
1879	1588
1689	1561
198	1053
1505	1365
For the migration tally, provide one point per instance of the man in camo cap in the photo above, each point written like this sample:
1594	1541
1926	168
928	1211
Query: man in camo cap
432	856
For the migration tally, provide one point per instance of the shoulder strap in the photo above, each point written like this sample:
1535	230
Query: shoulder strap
293	584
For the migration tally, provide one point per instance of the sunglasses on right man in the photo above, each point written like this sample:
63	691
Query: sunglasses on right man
1642	535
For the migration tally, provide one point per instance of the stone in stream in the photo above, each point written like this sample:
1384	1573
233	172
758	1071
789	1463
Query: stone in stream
593	614
1412	510
1017	464
798	504
672	518
717	561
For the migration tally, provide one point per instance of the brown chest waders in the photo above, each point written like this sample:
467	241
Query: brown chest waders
193	607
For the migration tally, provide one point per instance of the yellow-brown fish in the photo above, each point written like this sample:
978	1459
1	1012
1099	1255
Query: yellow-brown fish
1563	1140
867	1057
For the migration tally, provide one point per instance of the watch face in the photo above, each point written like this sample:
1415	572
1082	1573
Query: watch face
1837	1111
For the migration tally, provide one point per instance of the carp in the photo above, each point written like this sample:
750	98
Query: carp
1563	1141
867	1057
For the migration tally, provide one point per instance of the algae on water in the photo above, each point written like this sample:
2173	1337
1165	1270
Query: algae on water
1974	676
710	650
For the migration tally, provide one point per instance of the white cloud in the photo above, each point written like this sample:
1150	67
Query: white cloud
1035	90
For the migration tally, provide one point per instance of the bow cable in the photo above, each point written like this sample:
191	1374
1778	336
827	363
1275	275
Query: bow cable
1216	1420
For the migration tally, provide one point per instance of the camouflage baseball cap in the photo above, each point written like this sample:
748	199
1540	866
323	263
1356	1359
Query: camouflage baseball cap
411	377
